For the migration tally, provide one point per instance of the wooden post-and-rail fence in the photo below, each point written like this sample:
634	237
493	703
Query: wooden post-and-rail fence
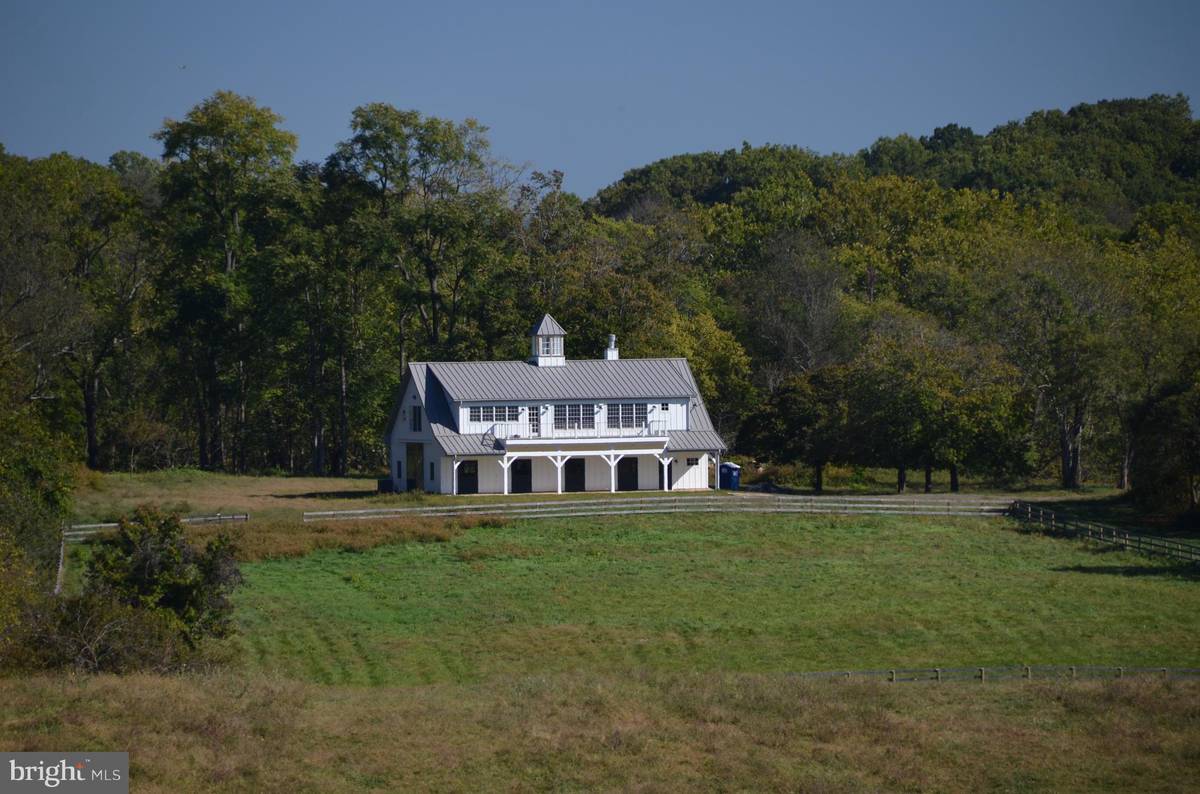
78	533
82	533
1033	514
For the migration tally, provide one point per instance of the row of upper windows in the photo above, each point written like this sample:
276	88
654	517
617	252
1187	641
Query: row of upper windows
495	413
570	412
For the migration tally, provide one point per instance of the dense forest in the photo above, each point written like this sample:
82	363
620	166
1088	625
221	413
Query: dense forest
1019	303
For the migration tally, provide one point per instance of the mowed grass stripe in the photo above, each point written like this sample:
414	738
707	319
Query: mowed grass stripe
742	593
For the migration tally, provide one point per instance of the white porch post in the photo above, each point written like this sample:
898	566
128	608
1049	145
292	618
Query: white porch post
612	459
717	471
454	477
505	462
666	462
559	461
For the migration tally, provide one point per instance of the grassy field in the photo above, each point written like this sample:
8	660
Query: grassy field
745	593
646	732
648	653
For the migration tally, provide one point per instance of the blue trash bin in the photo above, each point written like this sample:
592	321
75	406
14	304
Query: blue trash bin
730	476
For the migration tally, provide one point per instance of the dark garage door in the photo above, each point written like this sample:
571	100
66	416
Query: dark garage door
522	476
627	474
468	476
574	475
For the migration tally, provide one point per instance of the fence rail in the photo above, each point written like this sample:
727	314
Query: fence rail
1050	522
984	674
78	533
687	504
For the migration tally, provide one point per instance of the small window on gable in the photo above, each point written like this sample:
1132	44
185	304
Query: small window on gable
475	414
693	461
414	420
665	406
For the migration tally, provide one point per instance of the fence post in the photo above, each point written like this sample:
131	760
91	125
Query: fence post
1072	672
62	559
938	670
1028	673
892	676
1120	672
982	675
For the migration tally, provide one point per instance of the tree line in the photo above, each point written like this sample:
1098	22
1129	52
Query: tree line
1012	304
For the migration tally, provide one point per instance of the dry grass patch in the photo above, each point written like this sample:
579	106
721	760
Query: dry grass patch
263	539
643	732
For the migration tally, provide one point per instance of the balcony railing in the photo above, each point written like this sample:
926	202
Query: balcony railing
505	431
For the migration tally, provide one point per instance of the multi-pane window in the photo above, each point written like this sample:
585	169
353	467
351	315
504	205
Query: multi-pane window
665	406
495	413
583	415
573	416
626	415
535	420
550	345
414	422
693	461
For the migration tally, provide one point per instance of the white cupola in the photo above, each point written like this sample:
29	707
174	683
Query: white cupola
546	343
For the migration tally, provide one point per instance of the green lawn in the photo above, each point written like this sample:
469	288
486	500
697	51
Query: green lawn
705	593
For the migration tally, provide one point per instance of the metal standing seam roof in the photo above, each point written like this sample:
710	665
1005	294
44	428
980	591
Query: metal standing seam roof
547	326
587	379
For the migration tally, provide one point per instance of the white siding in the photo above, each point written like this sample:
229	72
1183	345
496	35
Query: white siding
432	466
689	478
402	435
596	474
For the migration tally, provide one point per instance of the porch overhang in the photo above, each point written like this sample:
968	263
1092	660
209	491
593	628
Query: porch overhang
581	446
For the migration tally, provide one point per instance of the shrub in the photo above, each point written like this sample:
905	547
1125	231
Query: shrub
150	565
95	633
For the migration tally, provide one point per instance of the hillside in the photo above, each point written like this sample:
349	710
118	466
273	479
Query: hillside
1105	160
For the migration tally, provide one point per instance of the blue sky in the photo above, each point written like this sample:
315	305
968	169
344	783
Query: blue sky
592	89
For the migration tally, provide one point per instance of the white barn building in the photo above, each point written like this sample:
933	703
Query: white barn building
551	424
